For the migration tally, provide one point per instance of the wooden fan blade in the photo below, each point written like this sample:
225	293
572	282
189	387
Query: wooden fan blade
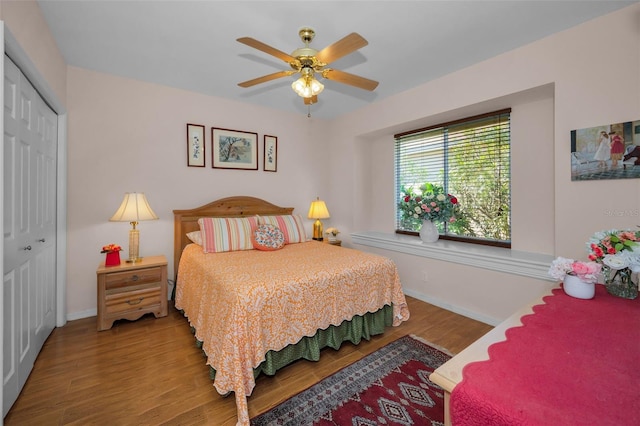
252	42
312	100
350	79
342	47
266	78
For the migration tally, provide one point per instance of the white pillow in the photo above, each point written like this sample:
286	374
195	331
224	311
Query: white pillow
195	237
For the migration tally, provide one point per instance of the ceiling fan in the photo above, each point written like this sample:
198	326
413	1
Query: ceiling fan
307	61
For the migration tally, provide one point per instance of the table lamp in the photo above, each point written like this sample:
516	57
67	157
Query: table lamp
134	208
318	210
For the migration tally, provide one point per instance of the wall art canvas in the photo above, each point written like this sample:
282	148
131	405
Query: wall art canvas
610	151
234	149
195	145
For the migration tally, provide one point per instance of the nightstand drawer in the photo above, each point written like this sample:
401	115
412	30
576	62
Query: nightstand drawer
138	299
128	278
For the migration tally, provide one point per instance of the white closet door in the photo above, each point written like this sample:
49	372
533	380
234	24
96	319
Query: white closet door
30	144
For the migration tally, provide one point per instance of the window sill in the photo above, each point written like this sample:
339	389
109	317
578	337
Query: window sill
532	265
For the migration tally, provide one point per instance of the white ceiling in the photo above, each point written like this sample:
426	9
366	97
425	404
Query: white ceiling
192	44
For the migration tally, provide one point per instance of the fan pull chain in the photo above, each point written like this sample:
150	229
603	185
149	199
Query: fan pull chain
308	111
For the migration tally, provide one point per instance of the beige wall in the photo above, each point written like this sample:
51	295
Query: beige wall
582	77
130	136
126	135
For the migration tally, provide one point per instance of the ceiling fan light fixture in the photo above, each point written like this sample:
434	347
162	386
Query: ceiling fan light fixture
307	87
308	61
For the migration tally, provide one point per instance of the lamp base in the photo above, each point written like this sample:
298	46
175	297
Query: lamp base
317	230
134	246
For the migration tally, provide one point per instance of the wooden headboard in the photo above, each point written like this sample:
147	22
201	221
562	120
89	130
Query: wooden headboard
185	221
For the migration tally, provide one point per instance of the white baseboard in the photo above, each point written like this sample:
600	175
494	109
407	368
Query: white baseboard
82	314
449	307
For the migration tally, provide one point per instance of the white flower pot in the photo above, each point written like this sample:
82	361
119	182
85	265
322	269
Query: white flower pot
429	232
577	288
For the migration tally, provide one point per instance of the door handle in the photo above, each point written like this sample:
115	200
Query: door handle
27	248
41	240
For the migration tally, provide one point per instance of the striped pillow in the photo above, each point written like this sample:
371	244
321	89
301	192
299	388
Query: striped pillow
221	234
291	226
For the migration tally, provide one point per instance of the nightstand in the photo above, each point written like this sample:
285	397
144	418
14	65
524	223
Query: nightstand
333	243
130	290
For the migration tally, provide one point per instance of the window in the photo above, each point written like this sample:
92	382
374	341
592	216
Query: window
468	158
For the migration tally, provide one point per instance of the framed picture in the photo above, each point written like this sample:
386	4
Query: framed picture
609	151
195	145
234	149
270	154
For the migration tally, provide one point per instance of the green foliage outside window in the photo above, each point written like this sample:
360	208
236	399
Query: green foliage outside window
471	161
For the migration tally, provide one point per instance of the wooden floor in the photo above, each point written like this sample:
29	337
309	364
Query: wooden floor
150	372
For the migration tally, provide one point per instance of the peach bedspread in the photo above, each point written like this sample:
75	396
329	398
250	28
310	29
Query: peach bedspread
245	303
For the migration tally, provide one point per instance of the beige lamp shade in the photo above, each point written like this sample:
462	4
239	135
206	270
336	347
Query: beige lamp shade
318	210
134	208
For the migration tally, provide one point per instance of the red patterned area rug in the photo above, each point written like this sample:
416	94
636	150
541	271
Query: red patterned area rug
388	387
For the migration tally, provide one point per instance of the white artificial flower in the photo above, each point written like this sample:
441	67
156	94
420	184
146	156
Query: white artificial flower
633	258
616	262
417	209
441	197
333	231
559	268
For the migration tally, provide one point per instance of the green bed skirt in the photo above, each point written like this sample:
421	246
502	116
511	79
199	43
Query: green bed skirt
358	328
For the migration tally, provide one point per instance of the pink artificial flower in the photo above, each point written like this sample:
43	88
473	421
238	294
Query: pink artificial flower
452	219
627	235
582	268
433	204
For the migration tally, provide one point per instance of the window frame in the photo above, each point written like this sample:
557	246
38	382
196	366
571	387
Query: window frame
448	236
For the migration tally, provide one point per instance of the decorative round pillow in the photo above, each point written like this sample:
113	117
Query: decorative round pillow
267	237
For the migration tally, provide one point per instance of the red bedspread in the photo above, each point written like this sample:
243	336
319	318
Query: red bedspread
573	362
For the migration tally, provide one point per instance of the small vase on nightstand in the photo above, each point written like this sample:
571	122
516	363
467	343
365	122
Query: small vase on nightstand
113	258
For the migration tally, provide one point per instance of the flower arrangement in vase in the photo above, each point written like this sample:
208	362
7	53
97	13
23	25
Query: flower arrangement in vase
578	278
332	233
431	205
619	253
113	254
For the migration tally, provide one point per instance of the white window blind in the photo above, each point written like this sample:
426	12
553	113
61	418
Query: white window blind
470	159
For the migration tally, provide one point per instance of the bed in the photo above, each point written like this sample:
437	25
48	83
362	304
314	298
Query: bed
256	311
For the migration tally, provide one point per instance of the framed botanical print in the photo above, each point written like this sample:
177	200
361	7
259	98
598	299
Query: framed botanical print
234	149
195	145
270	153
